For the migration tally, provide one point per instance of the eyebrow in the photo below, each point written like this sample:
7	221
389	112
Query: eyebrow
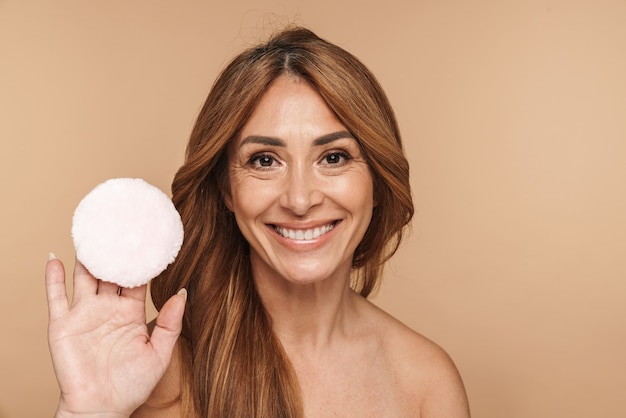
277	142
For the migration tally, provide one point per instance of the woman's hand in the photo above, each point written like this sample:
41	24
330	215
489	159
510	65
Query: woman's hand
105	361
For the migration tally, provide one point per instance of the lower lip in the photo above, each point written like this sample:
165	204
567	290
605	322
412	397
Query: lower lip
304	245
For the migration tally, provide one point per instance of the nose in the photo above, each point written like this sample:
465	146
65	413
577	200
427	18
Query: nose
302	190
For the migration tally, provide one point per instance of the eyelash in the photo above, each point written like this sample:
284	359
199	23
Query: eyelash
342	154
255	160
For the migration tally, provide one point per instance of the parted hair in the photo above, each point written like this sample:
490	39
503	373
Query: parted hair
232	362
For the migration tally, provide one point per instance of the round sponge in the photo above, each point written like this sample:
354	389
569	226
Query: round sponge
126	231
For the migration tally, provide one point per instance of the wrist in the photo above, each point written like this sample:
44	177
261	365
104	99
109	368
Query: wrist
63	413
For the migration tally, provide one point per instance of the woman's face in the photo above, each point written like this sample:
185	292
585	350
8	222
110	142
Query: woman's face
300	188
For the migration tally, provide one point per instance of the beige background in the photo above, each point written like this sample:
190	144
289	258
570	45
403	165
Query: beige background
514	117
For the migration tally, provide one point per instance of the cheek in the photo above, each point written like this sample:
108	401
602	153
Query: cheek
357	189
249	197
367	201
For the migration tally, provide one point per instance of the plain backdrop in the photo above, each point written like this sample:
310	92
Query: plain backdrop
514	118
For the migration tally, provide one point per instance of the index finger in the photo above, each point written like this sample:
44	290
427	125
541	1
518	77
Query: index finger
55	288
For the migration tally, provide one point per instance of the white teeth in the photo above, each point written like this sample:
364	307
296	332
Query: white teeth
304	234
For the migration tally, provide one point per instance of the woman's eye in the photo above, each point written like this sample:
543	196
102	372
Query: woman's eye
336	158
265	161
262	161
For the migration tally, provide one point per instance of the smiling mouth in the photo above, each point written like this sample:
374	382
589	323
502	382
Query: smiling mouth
304	234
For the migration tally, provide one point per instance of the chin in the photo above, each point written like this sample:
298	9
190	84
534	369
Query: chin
312	274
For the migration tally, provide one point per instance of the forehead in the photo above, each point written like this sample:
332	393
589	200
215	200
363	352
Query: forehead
291	108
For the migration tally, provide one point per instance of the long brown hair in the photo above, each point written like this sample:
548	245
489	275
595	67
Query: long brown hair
233	364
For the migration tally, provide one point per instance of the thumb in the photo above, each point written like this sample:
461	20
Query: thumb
169	324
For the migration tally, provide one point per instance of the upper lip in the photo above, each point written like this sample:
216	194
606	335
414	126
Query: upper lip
304	234
304	225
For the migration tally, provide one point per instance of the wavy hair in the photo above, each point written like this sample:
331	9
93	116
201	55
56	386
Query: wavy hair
232	363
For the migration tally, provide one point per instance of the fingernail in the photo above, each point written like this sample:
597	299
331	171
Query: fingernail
51	256
182	292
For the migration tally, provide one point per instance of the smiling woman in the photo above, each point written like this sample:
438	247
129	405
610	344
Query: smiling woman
293	194
311	177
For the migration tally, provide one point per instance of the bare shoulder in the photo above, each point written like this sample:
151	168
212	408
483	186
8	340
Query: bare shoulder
164	402
427	377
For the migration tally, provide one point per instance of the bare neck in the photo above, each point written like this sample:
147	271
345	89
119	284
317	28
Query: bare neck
308	316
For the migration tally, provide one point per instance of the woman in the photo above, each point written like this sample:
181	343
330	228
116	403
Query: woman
294	192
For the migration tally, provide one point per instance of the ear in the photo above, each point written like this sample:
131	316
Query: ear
229	202
228	199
